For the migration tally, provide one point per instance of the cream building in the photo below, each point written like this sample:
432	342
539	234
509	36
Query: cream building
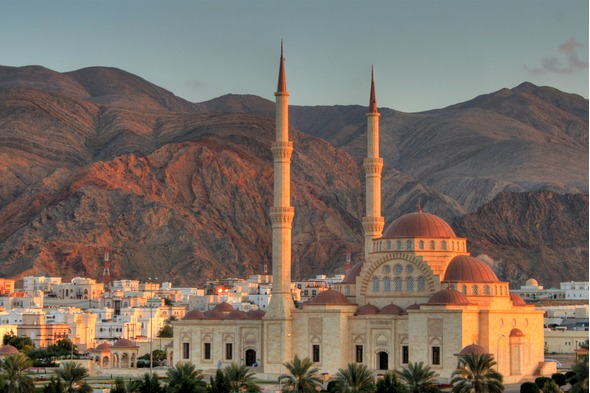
417	297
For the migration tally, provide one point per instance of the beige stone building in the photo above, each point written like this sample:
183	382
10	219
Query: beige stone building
417	297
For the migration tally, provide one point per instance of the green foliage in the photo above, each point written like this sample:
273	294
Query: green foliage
580	384
63	348
41	357
150	384
559	378
241	378
119	386
540	381
220	384
355	378
73	374
476	373
185	378
550	387
166	331
55	385
23	343
13	378
158	357
389	384
302	376
418	378
529	387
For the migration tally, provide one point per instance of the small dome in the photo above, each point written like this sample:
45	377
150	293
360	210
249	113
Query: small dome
531	282
516	333
124	343
414	306
419	224
448	296
353	274
192	315
517	300
256	314
224	307
237	314
8	350
367	309
466	268
392	309
329	297
104	347
472	349
214	314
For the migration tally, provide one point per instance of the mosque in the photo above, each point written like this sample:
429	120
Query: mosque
417	297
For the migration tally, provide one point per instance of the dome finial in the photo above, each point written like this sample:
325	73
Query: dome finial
419	207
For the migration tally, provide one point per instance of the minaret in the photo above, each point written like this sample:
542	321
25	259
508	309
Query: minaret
373	164
278	320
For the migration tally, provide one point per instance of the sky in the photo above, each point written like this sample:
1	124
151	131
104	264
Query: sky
426	54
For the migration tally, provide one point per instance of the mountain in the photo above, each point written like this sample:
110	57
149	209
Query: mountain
100	158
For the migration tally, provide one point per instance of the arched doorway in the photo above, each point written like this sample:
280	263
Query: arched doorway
382	360
250	357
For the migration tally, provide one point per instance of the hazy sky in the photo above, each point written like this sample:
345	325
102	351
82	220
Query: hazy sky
426	54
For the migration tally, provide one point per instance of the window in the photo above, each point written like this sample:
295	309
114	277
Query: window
207	351
486	290
408	244
315	353
421	284
410	284
386	284
432	244
475	290
397	282
435	355
229	351
375	284
186	350
421	244
359	353
347	290
444	245
405	354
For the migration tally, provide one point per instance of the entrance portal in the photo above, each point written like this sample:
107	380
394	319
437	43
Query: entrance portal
250	357
383	360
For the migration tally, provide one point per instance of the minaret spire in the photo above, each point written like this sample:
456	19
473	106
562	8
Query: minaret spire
282	85
373	222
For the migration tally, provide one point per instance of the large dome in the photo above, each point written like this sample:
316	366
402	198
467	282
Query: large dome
353	274
329	297
419	224
466	268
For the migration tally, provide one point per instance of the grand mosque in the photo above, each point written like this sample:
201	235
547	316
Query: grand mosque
418	296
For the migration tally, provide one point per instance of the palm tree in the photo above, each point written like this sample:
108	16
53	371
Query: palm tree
476	374
72	374
302	377
418	378
356	378
241	378
13	378
389	384
150	384
185	378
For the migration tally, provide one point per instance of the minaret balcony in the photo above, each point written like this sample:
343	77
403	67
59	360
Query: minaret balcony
373	224
282	214
282	150
373	165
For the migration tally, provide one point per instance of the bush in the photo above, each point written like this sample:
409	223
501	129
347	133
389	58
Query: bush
540	381
559	378
550	387
529	387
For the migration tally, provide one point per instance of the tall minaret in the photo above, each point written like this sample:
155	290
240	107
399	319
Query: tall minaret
278	321
373	164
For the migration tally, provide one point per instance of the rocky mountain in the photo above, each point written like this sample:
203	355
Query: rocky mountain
100	158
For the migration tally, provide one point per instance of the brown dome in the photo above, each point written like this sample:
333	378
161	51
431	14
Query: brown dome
237	314
367	309
516	333
448	296
329	297
392	309
466	268
256	314
472	349
192	315
414	306
124	343
224	307
419	224
531	282
353	274
104	347
8	350
214	314
517	300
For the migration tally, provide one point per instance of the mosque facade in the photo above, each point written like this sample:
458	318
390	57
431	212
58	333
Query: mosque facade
418	296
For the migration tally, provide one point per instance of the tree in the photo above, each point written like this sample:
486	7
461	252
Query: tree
551	387
150	384
355	378
241	378
73	374
302	377
166	331
529	387
220	384
55	385
23	343
559	378
476	374
418	378
158	357
13	378
389	384
63	348
185	378
580	379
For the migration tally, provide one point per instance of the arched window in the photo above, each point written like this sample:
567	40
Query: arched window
386	269
388	245
409	269
387	284
408	244
410	284
444	244
421	244
397	282
464	289
421	284
347	290
432	245
486	290
475	290
375	284
398	268
399	245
